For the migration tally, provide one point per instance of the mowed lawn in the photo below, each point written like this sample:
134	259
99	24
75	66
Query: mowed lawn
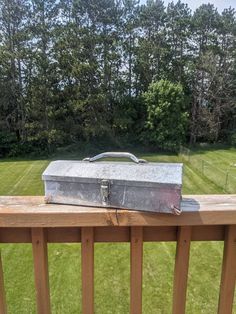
23	177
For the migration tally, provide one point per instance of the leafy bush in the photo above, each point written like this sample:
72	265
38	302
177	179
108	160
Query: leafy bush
7	139
167	116
233	139
21	149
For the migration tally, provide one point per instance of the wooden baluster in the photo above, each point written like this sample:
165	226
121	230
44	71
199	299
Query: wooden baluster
39	243
136	263
181	269
3	306
87	255
228	275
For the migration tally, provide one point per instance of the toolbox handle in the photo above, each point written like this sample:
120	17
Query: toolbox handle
115	155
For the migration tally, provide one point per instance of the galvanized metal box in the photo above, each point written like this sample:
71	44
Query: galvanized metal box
154	187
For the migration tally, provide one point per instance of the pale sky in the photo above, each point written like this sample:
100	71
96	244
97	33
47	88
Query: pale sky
193	4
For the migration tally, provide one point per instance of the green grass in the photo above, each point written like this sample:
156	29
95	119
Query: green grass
223	158
219	166
23	177
112	268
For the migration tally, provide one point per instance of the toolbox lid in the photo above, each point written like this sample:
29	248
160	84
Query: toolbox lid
124	173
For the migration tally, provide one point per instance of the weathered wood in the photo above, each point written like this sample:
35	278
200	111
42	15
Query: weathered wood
87	256
203	219
64	235
136	263
112	234
39	220
228	275
3	305
162	233
197	211
39	244
181	269
15	235
21	200
207	233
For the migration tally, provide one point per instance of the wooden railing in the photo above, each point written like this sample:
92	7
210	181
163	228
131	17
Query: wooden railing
204	218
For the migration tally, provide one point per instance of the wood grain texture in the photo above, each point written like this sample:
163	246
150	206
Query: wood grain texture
181	269
136	264
64	235
87	256
3	305
33	212
112	234
228	275
40	255
28	219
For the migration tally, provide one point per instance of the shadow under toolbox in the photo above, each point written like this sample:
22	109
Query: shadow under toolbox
141	185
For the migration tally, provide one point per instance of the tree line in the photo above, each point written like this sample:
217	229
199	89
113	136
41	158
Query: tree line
116	70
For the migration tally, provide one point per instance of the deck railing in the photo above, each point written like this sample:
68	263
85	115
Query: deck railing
204	218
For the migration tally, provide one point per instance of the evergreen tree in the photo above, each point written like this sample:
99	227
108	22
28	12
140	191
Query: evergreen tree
75	70
13	62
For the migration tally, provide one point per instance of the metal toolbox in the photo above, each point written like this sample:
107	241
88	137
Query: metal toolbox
154	187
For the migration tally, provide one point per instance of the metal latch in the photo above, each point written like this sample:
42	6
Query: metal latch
105	187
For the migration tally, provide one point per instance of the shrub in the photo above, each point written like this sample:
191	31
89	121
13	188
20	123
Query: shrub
167	116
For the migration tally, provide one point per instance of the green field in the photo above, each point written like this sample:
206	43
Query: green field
23	177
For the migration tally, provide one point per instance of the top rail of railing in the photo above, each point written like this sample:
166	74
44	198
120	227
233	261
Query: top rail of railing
31	211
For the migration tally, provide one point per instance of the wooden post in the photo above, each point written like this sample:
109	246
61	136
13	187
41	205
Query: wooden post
181	269
136	264
228	275
39	243
87	256
3	306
